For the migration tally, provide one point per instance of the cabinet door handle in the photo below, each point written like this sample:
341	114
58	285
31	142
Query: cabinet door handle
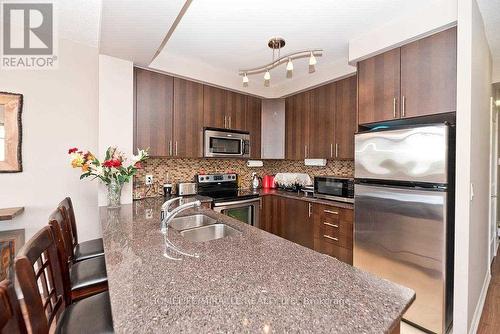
332	212
331	150
331	238
169	147
310	209
336	150
230	122
176	147
394	102
305	150
332	225
403	106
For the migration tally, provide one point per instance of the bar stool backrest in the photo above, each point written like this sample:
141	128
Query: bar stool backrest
38	271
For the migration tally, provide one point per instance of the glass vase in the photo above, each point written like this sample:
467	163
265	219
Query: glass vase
114	194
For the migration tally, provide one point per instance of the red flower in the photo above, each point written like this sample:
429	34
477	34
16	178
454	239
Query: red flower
138	165
72	150
112	163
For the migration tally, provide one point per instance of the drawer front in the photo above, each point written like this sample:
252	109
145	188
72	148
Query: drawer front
338	236
334	225
340	253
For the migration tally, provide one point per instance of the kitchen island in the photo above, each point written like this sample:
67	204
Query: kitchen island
253	282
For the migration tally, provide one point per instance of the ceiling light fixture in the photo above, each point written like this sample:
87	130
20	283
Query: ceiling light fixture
245	80
312	63
276	44
289	68
312	60
267	78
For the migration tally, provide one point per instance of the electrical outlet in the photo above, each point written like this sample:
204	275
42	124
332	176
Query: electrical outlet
149	213
149	179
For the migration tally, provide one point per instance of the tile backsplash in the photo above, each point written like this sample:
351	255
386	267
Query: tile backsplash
184	170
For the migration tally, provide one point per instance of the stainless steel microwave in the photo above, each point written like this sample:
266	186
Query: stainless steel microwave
334	188
223	143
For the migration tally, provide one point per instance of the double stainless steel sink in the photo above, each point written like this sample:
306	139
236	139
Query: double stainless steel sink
201	228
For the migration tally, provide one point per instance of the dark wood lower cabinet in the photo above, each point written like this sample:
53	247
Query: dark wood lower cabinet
298	224
326	229
272	215
333	231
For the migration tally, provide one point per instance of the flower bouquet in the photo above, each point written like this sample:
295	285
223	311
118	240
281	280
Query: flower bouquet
112	171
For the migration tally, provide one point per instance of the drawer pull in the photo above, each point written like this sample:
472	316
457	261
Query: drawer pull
332	212
331	238
332	225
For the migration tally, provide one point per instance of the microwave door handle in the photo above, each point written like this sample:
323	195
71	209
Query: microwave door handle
242	147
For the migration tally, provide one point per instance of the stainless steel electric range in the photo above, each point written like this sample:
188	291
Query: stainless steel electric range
228	199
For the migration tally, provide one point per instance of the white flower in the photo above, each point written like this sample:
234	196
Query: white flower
141	155
96	170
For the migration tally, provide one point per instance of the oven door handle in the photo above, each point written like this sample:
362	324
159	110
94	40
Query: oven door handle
245	201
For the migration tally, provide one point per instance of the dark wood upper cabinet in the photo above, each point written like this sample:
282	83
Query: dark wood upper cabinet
322	122
214	107
188	119
153	112
224	109
297	126
429	75
379	88
236	105
418	79
345	118
253	125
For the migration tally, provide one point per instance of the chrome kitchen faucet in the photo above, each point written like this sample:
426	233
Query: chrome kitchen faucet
167	216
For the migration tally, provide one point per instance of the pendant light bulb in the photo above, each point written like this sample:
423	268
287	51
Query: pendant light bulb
267	76
245	80
289	68
312	60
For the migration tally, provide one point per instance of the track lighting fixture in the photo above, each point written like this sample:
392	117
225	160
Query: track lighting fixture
276	44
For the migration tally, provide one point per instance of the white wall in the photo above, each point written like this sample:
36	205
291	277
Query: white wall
273	129
471	225
496	70
60	111
116	113
426	21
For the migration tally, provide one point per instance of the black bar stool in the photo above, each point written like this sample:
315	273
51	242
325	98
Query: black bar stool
39	274
83	250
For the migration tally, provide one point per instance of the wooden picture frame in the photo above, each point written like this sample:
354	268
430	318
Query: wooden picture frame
10	243
12	107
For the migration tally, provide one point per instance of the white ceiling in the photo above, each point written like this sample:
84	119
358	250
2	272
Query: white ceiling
217	38
78	21
134	29
490	10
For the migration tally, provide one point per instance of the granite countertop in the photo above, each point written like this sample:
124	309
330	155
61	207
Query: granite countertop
186	199
264	192
254	282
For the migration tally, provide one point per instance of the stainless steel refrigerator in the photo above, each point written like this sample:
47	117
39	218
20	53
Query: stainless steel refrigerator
404	215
